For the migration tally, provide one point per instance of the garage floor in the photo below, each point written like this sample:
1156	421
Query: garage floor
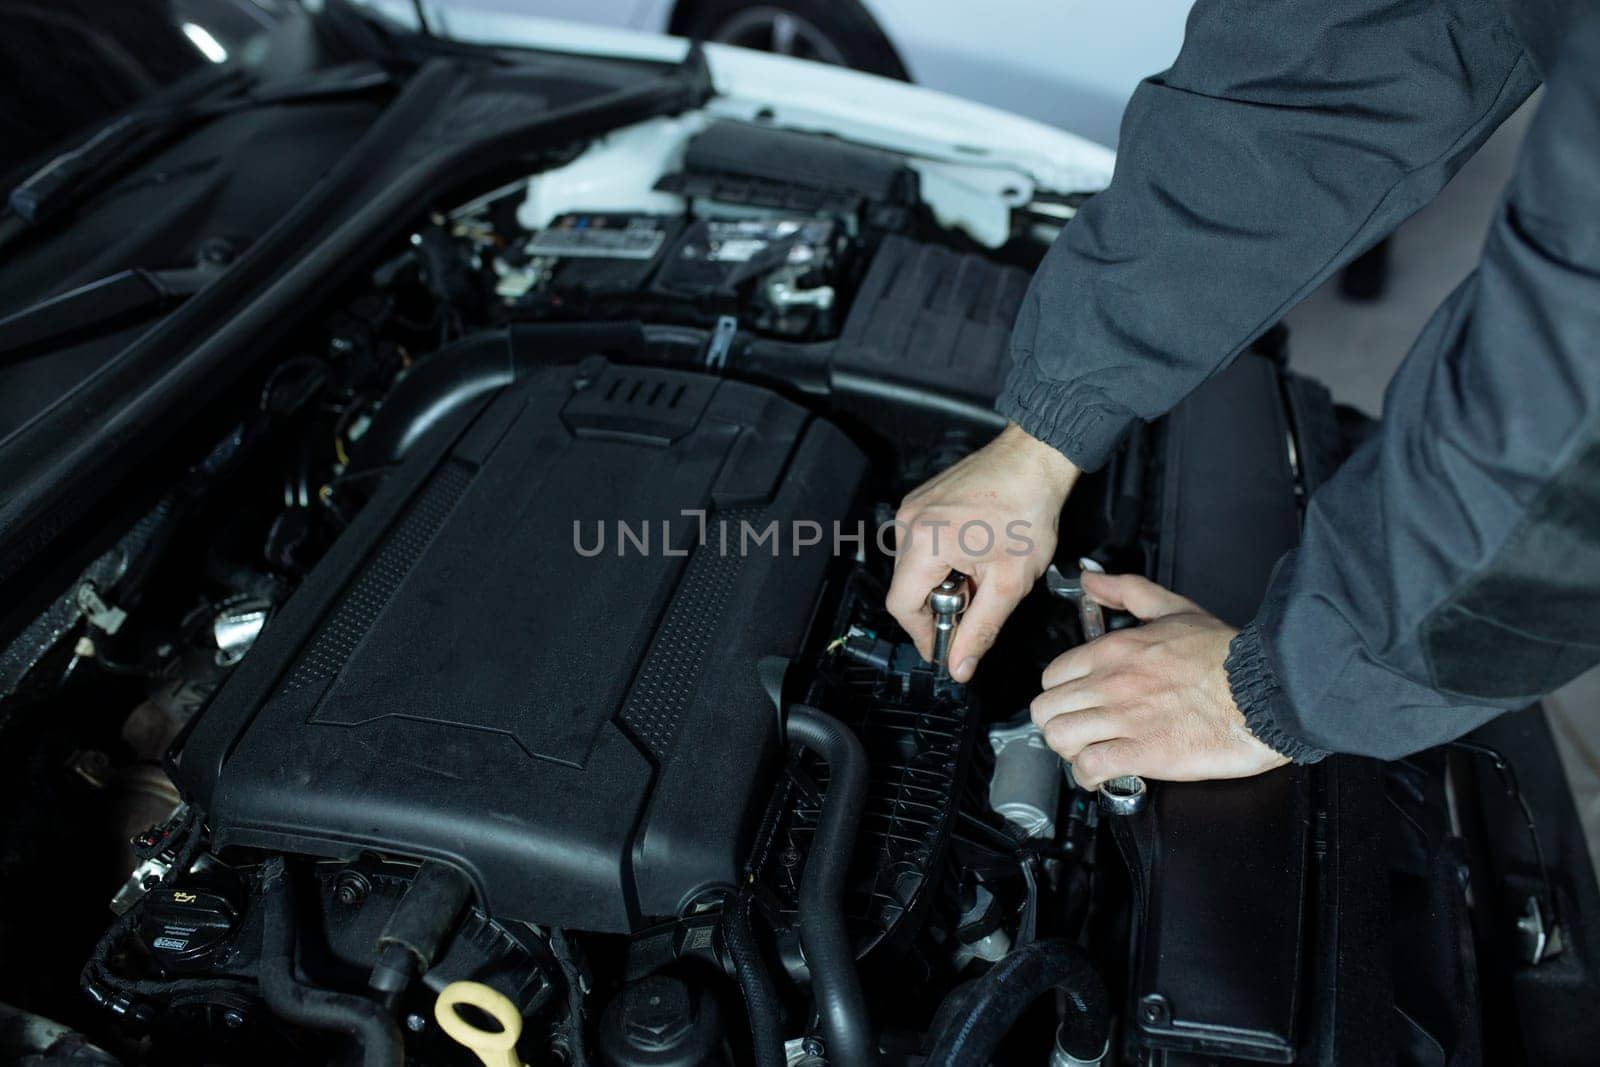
1354	348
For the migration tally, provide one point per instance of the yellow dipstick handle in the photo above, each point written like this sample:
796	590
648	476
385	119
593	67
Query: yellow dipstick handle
496	1048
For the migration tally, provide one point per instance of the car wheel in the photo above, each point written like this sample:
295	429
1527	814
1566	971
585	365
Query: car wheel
839	32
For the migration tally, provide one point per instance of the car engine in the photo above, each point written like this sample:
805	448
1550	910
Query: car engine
586	736
512	679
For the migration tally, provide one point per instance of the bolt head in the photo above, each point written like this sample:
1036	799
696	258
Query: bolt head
950	597
658	1013
1154	1010
350	887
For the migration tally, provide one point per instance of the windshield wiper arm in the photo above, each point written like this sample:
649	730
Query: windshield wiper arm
48	189
61	182
115	298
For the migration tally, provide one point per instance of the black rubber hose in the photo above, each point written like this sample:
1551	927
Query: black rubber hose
375	1030
440	384
824	936
443	383
417	927
976	1017
755	983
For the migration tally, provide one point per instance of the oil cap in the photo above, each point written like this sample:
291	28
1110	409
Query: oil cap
186	926
660	1021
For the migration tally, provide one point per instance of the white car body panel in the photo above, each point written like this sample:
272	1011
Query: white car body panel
977	163
1070	63
846	103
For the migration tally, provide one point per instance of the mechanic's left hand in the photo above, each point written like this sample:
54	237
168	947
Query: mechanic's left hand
1151	700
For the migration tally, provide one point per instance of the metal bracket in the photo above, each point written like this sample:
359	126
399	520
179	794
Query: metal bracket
721	342
102	616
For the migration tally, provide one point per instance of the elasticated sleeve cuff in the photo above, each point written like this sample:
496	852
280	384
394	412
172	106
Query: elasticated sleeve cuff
1258	695
1077	422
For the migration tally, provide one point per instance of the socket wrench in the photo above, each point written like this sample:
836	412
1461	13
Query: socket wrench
1125	794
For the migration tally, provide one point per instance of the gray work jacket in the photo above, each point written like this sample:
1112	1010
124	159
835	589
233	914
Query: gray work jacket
1451	569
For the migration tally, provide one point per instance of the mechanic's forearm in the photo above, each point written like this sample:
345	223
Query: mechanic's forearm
1051	465
1451	569
1288	137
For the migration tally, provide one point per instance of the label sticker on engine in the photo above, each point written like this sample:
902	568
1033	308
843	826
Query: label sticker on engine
599	237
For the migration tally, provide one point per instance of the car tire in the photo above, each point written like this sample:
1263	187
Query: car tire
840	32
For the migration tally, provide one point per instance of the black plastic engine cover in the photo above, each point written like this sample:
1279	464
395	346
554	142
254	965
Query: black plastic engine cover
932	317
584	735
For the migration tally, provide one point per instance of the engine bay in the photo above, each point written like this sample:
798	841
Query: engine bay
520	646
585	734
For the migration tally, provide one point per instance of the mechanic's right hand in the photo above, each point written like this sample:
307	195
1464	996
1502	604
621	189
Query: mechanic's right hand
993	517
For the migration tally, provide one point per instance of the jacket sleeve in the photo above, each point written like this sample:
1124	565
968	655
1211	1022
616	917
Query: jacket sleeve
1451	569
1288	137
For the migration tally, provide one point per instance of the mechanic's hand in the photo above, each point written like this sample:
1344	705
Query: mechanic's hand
1151	700
993	517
